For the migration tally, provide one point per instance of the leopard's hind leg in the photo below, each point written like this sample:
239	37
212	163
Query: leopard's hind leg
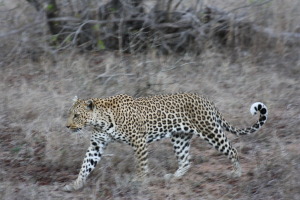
215	136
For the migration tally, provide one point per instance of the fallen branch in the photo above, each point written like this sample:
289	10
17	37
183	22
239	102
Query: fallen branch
288	38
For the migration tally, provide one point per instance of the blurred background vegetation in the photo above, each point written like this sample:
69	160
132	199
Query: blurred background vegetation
234	52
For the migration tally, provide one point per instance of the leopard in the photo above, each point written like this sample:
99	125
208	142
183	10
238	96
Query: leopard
143	120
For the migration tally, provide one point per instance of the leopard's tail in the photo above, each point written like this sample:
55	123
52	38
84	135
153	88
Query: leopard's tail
256	107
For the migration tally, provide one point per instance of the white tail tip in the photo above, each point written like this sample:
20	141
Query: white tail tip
256	107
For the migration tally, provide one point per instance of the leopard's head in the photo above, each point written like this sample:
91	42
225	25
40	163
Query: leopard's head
86	112
80	114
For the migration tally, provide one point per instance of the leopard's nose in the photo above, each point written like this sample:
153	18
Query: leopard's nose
68	126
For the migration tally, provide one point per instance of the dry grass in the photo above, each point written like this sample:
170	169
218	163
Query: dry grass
40	150
38	155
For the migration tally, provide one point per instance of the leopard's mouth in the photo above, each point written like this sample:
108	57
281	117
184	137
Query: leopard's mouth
74	130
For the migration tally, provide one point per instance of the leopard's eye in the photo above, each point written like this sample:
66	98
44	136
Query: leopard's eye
76	115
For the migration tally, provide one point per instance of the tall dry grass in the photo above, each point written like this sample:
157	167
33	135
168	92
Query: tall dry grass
38	154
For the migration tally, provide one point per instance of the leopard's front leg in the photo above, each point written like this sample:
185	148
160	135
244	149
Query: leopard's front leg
93	155
141	156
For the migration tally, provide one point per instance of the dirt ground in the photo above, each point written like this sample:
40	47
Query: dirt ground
38	155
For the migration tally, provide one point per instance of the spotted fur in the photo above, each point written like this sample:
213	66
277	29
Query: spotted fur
140	121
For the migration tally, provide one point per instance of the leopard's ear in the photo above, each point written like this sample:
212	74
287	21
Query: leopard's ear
75	99
90	104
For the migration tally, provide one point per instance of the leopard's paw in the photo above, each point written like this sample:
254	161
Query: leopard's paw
76	185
